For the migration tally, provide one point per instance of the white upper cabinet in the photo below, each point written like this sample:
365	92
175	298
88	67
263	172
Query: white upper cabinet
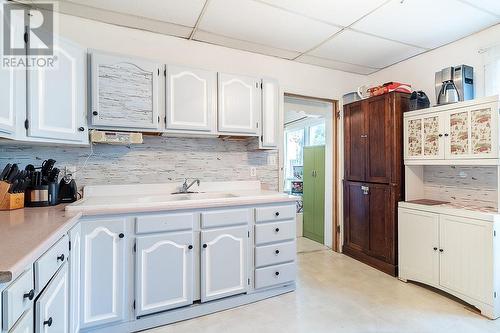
103	272
124	92
191	97
164	272
12	97
270	114
223	262
424	137
56	97
239	104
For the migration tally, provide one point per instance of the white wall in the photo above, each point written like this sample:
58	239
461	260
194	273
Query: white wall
294	77
419	71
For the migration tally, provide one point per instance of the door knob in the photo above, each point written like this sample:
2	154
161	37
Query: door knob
205	246
121	235
277	251
48	322
435	248
277	213
190	247
277	229
277	273
95	113
441	250
61	257
30	295
81	129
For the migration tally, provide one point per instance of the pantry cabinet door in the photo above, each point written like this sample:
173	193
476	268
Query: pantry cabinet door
223	262
103	272
466	257
191	96
56	96
164	268
472	132
418	239
124	92
239	104
270	114
52	307
355	141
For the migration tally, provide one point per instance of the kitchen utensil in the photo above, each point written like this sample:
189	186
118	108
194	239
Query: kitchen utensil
53	193
54	175
14	170
68	191
47	166
5	171
454	84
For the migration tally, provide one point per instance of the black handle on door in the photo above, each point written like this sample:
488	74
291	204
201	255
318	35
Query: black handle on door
61	257
48	322
440	135
205	246
277	251
190	247
121	235
277	229
277	213
441	250
81	129
95	113
435	248
446	134
29	295
277	273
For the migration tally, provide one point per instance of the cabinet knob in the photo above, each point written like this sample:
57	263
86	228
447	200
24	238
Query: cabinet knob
277	273
205	246
441	250
30	295
95	113
121	235
435	248
190	247
277	213
446	134
277	251
48	322
61	257
81	129
277	229
440	135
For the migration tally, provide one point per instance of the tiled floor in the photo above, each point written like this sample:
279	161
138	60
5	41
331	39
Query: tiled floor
307	245
338	294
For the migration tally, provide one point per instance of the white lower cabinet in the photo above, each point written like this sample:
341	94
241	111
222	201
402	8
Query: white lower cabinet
164	272
103	275
52	307
25	324
75	237
452	253
223	262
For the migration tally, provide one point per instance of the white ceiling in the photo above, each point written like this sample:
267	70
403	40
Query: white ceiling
360	36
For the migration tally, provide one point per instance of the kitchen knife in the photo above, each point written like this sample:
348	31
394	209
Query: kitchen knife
5	171
47	166
13	186
14	170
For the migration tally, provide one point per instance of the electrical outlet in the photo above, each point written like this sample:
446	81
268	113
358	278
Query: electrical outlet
271	160
253	172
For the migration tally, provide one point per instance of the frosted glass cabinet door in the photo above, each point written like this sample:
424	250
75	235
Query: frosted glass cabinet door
239	104
191	99
270	114
223	262
164	272
124	92
103	272
56	96
424	137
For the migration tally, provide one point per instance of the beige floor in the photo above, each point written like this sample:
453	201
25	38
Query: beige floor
307	245
338	294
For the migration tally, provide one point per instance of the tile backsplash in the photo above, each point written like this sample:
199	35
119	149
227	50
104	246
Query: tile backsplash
157	160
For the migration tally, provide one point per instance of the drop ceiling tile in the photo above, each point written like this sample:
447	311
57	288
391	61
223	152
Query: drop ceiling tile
173	11
492	6
365	50
425	23
341	66
343	12
259	23
208	37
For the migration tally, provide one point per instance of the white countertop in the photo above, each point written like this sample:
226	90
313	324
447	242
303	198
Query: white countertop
450	209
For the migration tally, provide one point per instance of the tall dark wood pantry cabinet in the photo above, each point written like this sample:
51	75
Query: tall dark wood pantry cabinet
373	178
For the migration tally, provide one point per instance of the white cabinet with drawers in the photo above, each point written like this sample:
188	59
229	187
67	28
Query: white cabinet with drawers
17	298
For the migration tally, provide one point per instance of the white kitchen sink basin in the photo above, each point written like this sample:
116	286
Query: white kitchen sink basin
185	196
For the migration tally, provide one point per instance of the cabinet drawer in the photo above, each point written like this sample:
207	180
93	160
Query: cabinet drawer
274	275
25	324
274	232
275	213
227	217
48	264
165	222
17	298
274	254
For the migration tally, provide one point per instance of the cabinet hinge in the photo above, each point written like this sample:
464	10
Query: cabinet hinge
165	72
248	234
133	305
25	37
158	119
135	247
69	245
26	124
249	281
495	294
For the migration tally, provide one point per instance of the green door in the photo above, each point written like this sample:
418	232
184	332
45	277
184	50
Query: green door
314	193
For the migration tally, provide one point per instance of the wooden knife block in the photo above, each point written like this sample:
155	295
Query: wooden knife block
10	201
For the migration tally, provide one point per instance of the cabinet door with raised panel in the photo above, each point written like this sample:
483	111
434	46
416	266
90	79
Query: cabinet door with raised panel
418	239
191	99
270	114
223	262
164	268
466	257
355	141
379	139
103	272
12	98
239	104
356	223
52	307
75	236
56	96
124	92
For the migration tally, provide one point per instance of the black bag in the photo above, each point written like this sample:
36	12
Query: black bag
419	100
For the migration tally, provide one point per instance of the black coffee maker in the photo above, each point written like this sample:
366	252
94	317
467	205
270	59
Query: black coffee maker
68	191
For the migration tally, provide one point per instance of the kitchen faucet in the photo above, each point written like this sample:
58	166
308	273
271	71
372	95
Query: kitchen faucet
185	187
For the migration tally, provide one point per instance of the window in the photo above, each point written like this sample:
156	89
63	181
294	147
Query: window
317	135
294	146
492	71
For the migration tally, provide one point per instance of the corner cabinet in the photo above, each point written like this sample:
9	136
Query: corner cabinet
239	104
191	99
124	92
456	254
452	133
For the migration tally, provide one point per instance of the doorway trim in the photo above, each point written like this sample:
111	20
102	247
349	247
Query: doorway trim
335	167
